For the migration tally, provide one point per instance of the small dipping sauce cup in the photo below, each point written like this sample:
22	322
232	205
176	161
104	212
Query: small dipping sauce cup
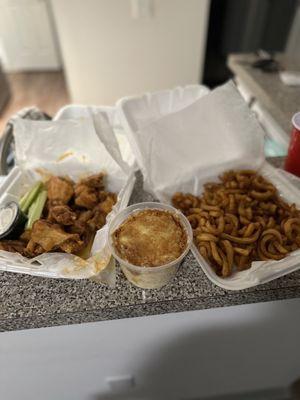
149	277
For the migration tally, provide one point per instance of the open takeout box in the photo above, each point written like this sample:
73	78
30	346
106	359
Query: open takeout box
76	145
196	140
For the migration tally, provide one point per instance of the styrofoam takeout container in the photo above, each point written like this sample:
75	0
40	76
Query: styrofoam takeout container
198	138
149	277
88	154
135	113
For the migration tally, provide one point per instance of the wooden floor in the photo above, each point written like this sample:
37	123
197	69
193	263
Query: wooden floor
46	90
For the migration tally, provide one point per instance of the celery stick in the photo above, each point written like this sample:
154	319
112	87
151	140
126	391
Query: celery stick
24	199
30	196
36	208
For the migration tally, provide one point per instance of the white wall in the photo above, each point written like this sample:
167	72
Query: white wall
108	54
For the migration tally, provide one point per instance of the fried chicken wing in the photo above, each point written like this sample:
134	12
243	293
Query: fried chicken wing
85	197
94	181
26	235
60	190
62	215
97	221
52	237
83	229
87	191
106	205
84	216
33	249
14	246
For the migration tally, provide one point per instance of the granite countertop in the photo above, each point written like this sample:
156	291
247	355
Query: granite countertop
34	302
280	100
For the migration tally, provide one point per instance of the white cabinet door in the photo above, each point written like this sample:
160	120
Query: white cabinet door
27	36
187	355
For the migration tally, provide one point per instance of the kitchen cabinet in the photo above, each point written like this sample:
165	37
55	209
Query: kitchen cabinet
185	355
27	36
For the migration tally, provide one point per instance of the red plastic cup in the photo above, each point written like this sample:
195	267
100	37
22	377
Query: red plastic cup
292	162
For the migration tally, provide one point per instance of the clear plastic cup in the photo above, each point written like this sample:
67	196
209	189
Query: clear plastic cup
149	277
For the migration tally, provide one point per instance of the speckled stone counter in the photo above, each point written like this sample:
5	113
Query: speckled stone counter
280	100
32	302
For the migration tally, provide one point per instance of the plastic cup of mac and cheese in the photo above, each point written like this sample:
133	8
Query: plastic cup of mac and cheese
149	240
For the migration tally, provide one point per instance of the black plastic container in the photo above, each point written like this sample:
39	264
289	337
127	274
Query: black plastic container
12	221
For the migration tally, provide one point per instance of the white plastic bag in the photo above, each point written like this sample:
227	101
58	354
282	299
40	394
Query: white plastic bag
76	148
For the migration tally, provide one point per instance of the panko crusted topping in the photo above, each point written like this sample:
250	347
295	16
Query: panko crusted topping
150	238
